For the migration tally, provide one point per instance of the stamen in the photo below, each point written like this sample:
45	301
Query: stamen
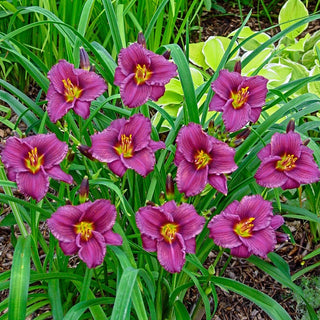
168	231
33	162
85	229
244	228
71	91
201	159
142	74
286	163
240	97
125	146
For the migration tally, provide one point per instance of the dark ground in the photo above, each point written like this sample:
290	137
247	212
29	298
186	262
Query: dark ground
231	306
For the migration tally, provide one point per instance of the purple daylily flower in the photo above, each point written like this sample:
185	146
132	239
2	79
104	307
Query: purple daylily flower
31	161
286	162
72	88
86	229
239	98
142	75
170	230
246	227
202	159
126	144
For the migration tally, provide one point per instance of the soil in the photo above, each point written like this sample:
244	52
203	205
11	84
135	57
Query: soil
231	306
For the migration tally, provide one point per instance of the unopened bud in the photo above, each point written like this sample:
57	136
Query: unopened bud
84	59
70	156
141	39
84	190
243	134
167	54
92	68
169	187
162	198
150	203
306	142
85	151
281	237
237	67
290	126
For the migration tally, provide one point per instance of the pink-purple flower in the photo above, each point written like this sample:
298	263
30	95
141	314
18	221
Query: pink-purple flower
286	162
142	75
239	98
31	161
72	88
246	227
126	144
170	230
202	159
86	229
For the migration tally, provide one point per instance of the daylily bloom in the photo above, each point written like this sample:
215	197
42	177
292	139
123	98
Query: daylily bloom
72	88
126	144
142	75
246	227
202	159
286	162
239	98
31	161
170	230
86	229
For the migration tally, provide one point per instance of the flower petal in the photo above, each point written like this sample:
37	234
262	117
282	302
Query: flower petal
92	85
290	184
58	174
157	92
156	145
148	243
117	167
69	248
150	220
241	252
190	245
119	76
92	252
257	90
264	152
276	222
286	143
172	255
226	83
235	119
217	103
190	180
112	238
221	230
82	108
190	223
254	114
219	182
142	161
33	185
57	105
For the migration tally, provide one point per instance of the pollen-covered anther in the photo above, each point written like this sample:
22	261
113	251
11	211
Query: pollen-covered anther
168	231
244	227
286	163
142	74
33	162
71	91
240	97
85	229
201	159
125	146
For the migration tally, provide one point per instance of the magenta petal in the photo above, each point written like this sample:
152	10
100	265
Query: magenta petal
118	76
162	70
11	174
189	180
286	143
226	83
33	185
102	213
117	167
148	243
92	252
221	230
290	184
223	159
190	223
264	152
268	176
217	103
82	108
190	245
156	145
276	222
235	119
57	105
169	207
240	252
179	156
61	223
257	89
219	182
142	161
58	174
140	128
254	114
192	138
14	154
103	144
134	95
172	255
112	238
232	208
150	220
261	242
68	248
92	85
157	92
258	208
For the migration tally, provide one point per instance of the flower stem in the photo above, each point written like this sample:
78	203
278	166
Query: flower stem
158	297
86	284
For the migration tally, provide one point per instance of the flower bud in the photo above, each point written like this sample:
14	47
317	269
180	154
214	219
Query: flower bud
141	39
85	151
70	155
306	142
162	198
290	126
169	187
281	237
84	59
237	67
84	190
167	54
243	134
150	203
